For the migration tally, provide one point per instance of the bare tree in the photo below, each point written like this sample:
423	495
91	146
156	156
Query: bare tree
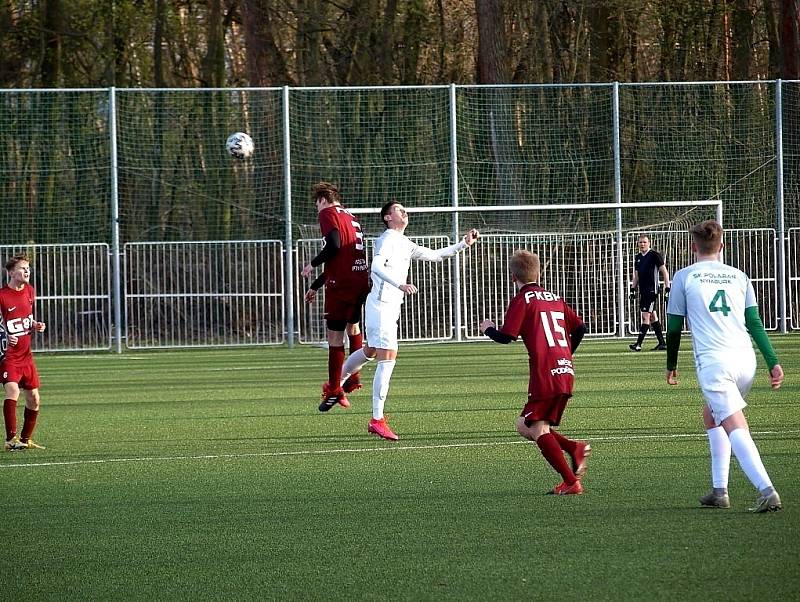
266	64
790	39
213	68
742	36
52	31
492	46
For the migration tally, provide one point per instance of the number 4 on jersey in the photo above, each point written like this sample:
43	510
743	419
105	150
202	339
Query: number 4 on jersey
719	303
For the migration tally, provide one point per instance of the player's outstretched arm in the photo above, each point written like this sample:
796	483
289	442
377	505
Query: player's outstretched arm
426	254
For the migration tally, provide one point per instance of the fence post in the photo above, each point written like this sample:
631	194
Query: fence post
779	200
116	290
456	288
618	200
288	252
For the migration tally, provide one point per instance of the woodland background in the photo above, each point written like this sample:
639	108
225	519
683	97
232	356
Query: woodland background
227	43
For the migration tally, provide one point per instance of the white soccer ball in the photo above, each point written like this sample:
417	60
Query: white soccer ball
240	145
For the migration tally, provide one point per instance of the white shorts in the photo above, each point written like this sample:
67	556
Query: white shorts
725	384
380	323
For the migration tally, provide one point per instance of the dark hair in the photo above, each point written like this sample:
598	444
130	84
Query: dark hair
707	236
12	262
387	209
327	191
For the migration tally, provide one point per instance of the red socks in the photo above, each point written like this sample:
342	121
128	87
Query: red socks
10	417
356	342
28	425
335	362
568	445
551	451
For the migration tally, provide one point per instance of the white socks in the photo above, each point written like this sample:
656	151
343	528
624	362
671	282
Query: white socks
380	386
354	363
720	447
749	459
380	383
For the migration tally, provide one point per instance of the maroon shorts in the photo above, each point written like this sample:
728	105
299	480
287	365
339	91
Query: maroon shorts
25	375
549	409
344	306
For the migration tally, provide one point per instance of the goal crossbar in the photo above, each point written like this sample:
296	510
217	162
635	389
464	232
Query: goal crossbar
559	207
617	207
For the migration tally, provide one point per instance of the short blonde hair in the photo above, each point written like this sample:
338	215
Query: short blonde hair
525	266
707	236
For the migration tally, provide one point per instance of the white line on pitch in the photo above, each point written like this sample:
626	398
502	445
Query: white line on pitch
354	450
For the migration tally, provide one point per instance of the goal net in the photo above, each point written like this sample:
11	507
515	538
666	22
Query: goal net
591	270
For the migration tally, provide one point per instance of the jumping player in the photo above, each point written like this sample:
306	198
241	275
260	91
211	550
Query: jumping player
551	331
720	306
389	269
346	276
354	336
18	370
647	266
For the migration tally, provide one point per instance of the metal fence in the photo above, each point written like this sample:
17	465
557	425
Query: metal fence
130	171
793	276
426	316
187	294
203	294
752	251
73	287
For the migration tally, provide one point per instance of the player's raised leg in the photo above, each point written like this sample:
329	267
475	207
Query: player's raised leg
351	380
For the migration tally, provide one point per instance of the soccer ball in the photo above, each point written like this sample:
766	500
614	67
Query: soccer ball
240	145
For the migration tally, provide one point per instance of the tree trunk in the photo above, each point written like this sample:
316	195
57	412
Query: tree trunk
414	40
773	39
52	28
213	70
790	39
266	65
158	46
492	45
742	39
386	42
309	39
600	69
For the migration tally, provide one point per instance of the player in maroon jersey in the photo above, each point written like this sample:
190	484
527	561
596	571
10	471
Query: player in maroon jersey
346	275
551	331
354	336
18	370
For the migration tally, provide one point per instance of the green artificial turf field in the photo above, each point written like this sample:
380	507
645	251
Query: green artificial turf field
211	474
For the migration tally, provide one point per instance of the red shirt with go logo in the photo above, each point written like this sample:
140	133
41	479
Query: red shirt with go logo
16	310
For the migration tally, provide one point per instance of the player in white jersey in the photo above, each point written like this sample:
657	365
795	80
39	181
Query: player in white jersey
720	307
392	255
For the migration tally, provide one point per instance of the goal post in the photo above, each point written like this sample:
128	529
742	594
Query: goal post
574	247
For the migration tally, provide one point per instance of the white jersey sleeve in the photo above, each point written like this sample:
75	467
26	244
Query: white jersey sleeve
426	254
